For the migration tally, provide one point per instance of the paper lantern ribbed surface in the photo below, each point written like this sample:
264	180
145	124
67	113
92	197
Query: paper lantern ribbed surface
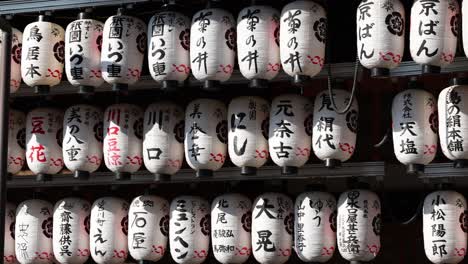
381	33
16	141
83	40
43	139
43	54
163	138
9	255
414	127
334	135
82	138
15	71
212	44
108	230
290	130
123	48
358	225
231	219
445	227
33	232
464	25
303	33
315	226
434	31
189	229
248	131
148	229
123	127
71	230
205	134
168	55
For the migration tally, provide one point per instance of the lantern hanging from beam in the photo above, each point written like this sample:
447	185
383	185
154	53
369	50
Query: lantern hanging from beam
16	141
15	62
9	255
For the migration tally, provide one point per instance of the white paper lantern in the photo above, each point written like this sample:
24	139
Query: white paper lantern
108	230
464	26
148	227
414	128
9	255
83	40
43	139
303	33
33	232
290	131
315	226
212	46
272	228
123	48
258	46
15	62
380	26
334	135
16	141
163	138
123	127
168	55
189	229
358	225
445	223
71	230
205	135
231	219
43	54
433	33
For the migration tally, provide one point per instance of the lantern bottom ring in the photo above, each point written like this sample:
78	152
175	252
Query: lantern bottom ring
41	89
145	262
355	262
289	170
169	85
85	89
203	173
246	170
460	163
458	81
415	169
380	73
212	85
301	79
430	69
162	177
332	163
43	177
122	175
258	84
120	87
81	175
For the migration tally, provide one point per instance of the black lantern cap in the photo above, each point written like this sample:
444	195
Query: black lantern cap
81	175
43	177
258	84
45	17
162	177
415	169
460	163
332	163
87	14
42	89
380	73
430	69
289	170
459	81
204	173
122	176
247	170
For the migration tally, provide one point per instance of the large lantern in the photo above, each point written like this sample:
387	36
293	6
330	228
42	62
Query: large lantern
108	230
16	141
123	49
212	46
231	219
148	229
258	44
248	133
15	62
189	229
33	232
445	227
358	225
123	127
303	33
205	135
43	141
163	139
43	54
82	139
433	33
315	226
290	131
334	135
9	255
414	128
83	40
71	230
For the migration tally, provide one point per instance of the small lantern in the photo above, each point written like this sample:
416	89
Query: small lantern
189	229
290	132
82	139
230	228
16	141
9	255
445	227
43	54
334	135
83	40
248	133
205	136
434	32
358	225
108	230
163	139
315	226
71	230
33	232
149	228
15	64
380	29
123	128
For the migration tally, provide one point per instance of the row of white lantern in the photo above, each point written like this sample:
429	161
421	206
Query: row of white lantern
110	228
